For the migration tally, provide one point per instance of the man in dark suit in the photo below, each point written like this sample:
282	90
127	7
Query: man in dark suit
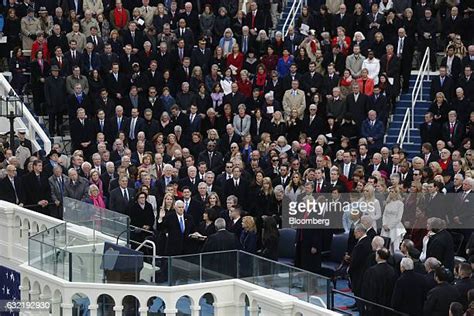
191	181
235	98
133	36
107	59
59	60
379	281
222	240
106	104
344	19
238	187
72	57
311	81
127	59
255	19
455	63
185	33
409	290
39	198
118	122
441	296
212	158
178	225
379	103
440	245
228	139
360	253
404	48
192	206
201	56
183	71
466	81
292	41
108	176
10	186
96	40
374	130
330	80
134	125
76	6
116	83
191	17
90	59
442	83
313	124
430	131
357	104
121	197
376	165
246	41
453	131
82	131
78	99
347	166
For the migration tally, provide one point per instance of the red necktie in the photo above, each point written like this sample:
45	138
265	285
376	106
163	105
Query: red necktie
451	129
253	20
318	187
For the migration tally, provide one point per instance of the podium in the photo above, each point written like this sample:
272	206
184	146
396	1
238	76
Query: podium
121	264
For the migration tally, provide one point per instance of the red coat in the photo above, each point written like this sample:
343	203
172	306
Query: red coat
237	61
37	47
369	86
344	51
245	87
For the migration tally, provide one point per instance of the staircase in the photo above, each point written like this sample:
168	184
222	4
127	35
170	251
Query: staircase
283	16
413	147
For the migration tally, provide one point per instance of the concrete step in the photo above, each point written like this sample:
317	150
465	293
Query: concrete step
417	110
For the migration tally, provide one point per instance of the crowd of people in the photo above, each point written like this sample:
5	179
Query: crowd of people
200	119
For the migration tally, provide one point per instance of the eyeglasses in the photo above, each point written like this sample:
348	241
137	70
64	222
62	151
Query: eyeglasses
275	160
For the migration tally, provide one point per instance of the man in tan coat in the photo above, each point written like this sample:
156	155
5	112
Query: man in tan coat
95	6
147	12
78	36
294	99
30	26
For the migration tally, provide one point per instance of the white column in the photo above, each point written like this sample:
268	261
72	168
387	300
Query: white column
93	309
228	308
195	310
25	292
44	298
56	306
118	310
170	311
67	308
143	311
253	311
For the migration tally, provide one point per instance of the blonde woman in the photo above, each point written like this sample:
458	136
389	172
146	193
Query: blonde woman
172	145
248	236
392	226
264	145
295	188
278	124
282	145
373	205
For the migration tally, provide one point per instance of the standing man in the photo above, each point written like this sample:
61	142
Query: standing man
10	186
36	199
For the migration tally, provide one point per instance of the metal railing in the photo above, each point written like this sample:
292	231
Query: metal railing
295	10
417	93
405	129
369	307
28	121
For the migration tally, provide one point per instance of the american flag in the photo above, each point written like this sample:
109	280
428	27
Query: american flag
9	288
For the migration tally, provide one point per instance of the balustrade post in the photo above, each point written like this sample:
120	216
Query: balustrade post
195	310
93	309
34	295
170	311
67	308
143	311
118	310
25	292
44	298
56	306
253	311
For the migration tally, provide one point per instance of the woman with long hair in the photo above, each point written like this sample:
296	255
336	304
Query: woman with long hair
278	125
248	236
218	58
235	59
18	66
39	72
141	216
392	226
213	205
295	188
160	18
265	201
12	29
270	59
368	197
270	238
440	108
227	42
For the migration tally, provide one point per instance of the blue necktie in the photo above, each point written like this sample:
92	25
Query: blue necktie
181	224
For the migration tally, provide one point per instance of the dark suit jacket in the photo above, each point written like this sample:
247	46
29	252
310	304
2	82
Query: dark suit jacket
217	163
226	141
99	47
441	246
409	293
234	100
81	133
359	108
358	265
86	64
136	42
114	128
118	203
376	132
177	242
447	88
70	62
42	191
200	59
439	298
259	21
241	192
222	240
117	86
456	67
7	191
106	62
430	134
391	67
139	126
457	136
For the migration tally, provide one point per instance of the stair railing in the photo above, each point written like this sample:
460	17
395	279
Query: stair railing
417	93
28	121
405	129
295	10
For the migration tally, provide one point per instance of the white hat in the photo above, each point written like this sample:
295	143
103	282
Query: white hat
21	130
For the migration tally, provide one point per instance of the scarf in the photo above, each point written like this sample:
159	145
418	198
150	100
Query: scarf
120	18
98	201
314	47
261	78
